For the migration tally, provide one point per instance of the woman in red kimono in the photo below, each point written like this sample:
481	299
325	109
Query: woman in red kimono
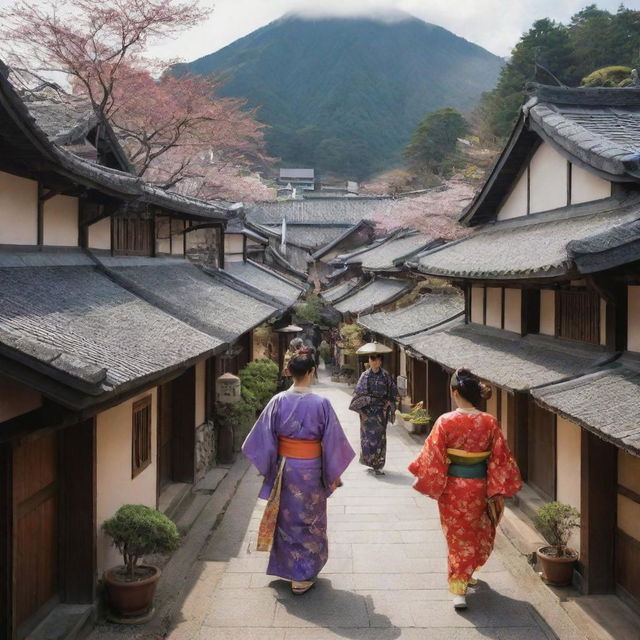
467	467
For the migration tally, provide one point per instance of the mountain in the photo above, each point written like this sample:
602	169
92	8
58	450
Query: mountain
344	94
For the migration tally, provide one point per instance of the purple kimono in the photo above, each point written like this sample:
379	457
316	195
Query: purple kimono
300	547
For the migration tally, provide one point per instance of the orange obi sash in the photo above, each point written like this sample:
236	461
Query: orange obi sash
301	449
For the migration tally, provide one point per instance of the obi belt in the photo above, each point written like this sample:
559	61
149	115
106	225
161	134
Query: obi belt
287	448
467	464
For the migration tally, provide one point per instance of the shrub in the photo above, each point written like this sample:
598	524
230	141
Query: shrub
259	381
310	310
556	521
351	335
138	530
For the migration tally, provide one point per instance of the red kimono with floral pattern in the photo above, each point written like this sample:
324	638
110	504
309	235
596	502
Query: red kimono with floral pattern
463	501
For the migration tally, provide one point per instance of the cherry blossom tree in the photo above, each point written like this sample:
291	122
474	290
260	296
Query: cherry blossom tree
176	130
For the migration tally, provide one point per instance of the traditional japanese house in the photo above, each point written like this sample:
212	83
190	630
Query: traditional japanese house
110	344
551	298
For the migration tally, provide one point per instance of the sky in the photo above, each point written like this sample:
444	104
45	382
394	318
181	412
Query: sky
495	25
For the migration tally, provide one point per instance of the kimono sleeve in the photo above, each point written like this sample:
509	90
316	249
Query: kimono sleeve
337	453
431	466
503	475
261	445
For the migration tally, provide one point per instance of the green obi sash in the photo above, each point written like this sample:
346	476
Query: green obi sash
466	464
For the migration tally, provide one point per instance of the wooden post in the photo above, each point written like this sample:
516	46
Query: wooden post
78	546
520	419
598	496
6	540
183	434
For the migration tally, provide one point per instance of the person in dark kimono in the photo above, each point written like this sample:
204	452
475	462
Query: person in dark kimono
374	398
298	445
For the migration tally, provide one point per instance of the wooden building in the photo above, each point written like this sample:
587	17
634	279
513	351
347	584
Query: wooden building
551	285
110	345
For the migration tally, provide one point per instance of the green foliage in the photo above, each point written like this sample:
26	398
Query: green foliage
434	144
419	416
323	350
556	521
137	530
593	39
343	95
310	310
351	335
615	76
259	382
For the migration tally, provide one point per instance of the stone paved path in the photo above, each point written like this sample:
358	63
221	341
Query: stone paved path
386	577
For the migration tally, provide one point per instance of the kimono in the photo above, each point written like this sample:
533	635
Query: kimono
299	545
375	400
464	462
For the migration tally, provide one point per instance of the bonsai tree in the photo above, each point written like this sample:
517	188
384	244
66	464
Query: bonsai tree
556	521
137	531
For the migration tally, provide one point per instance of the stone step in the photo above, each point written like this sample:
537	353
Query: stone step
66	622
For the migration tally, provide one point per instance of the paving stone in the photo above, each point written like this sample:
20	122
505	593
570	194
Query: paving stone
241	608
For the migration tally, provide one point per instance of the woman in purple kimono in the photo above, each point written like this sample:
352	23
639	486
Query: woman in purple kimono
374	398
299	447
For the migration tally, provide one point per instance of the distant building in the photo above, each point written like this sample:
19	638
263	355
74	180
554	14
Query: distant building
298	178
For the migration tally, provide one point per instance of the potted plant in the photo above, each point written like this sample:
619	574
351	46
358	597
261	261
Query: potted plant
556	522
136	531
420	419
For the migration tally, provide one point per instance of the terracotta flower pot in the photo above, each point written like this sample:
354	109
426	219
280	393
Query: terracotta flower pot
557	570
131	599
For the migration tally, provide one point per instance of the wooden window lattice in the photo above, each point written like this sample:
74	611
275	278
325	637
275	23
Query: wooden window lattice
141	440
132	236
578	316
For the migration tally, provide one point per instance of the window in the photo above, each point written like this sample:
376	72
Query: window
141	437
578	315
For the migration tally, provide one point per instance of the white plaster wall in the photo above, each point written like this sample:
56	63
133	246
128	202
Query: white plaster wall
494	307
201	378
516	203
16	399
177	246
569	437
100	234
477	305
233	243
163	231
629	471
115	486
633	318
585	187
403	362
18	210
548	180
547	312
60	221
513	310
603	321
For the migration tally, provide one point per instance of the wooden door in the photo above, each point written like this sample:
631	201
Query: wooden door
183	431
627	530
35	507
165	430
438	392
541	450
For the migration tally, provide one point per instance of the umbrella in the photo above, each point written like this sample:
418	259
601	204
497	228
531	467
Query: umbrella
373	347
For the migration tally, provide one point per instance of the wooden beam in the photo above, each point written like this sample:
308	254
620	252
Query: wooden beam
521	432
6	541
598	482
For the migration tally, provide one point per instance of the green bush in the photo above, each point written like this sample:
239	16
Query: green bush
556	521
137	530
259	381
351	336
310	310
614	76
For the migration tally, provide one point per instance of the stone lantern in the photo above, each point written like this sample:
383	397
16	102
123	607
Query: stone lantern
228	389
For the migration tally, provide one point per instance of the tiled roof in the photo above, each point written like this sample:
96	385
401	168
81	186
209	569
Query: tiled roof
77	325
311	237
506	359
534	246
429	310
339	291
606	402
266	280
204	301
389	255
600	126
341	211
378	292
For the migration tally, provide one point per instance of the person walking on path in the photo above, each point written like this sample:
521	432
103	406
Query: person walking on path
374	398
467	467
300	448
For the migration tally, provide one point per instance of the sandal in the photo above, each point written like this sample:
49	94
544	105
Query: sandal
301	587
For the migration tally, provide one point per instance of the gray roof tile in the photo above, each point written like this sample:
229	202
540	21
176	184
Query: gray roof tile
266	281
376	293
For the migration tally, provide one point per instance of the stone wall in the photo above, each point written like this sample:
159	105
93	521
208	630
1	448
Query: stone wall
205	448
